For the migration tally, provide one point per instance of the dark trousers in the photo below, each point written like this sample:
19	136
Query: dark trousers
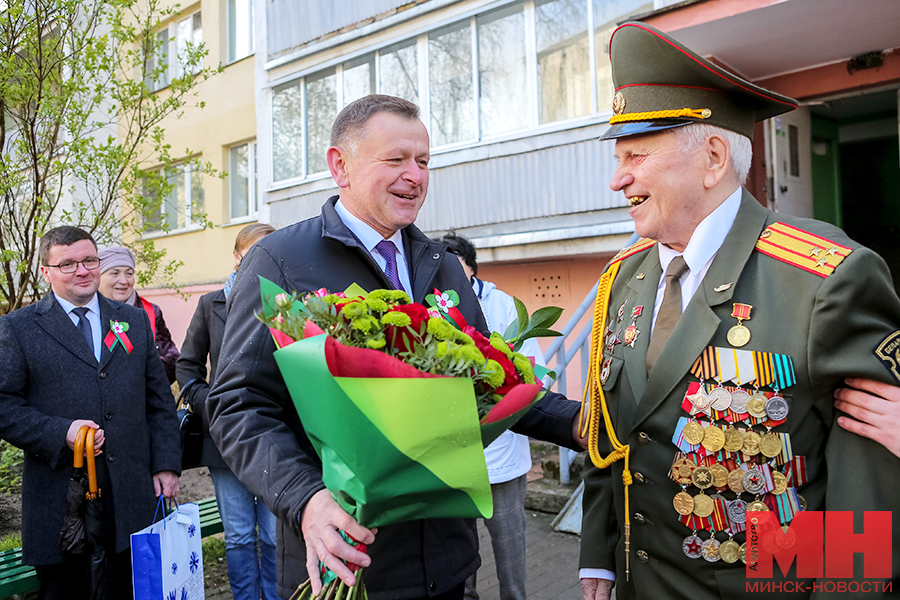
456	593
70	579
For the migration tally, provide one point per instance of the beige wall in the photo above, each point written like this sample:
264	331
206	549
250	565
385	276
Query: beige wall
227	118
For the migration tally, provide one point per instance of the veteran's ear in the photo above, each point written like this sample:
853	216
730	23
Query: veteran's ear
718	157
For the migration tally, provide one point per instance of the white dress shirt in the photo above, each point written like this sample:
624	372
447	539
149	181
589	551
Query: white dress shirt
92	315
702	248
370	238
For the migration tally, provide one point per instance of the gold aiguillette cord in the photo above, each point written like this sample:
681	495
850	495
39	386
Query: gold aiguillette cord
597	406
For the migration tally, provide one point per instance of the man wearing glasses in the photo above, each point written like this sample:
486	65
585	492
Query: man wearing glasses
72	359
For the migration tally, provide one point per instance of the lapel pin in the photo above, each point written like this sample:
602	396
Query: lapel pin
639	276
723	287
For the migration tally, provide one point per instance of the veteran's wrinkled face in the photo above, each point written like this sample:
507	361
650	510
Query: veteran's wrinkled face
663	185
117	283
384	179
81	285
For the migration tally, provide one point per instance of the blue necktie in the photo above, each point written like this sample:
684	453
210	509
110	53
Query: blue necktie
84	326
388	251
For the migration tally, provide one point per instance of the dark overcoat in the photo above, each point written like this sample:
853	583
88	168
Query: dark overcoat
203	339
260	435
48	378
829	326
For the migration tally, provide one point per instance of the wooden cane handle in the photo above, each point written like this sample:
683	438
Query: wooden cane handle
79	446
91	466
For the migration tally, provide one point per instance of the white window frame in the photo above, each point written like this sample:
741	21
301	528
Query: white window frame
252	202
190	224
170	47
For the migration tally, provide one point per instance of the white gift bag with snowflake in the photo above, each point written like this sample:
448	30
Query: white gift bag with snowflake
167	557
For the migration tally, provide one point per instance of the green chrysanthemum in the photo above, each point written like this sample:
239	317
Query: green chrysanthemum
494	373
376	343
471	354
523	366
397	319
364	323
441	329
442	349
377	304
390	296
353	309
333	299
500	344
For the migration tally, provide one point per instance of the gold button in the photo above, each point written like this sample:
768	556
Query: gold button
639	518
642	556
639	477
643	438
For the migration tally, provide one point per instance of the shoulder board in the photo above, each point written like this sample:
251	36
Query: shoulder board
802	249
639	246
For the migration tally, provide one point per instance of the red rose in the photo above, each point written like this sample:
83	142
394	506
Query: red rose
404	338
509	370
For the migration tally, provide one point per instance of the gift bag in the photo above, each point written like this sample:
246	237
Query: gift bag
167	557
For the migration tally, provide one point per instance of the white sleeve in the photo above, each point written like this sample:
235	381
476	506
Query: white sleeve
596	574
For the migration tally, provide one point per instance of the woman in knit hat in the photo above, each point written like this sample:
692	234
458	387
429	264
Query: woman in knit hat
117	283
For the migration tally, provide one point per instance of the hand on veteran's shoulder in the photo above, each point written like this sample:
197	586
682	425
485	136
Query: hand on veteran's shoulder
321	518
873	411
596	589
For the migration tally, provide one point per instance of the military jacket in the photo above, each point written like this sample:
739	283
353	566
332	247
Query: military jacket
829	322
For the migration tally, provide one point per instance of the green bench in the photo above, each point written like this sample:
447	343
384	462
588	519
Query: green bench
16	578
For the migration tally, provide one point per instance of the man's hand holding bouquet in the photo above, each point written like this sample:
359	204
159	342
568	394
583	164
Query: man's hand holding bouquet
399	400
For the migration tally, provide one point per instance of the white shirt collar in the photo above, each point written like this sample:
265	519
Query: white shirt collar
366	234
707	238
93	305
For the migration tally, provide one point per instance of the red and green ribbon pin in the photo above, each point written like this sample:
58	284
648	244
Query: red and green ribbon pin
117	335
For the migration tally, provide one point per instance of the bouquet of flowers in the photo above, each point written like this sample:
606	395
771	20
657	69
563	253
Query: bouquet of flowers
373	364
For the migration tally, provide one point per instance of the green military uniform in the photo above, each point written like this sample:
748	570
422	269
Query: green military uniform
817	297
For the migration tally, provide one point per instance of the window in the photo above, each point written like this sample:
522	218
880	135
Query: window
452	86
501	71
240	29
242	180
321	110
359	79
158	66
607	14
400	72
287	132
184	200
188	36
563	59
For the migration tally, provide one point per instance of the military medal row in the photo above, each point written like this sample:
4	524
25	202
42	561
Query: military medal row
736	404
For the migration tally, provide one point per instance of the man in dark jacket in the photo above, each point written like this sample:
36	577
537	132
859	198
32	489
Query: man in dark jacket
379	159
61	368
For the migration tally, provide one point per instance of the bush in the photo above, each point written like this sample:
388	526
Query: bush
11	541
213	551
11	461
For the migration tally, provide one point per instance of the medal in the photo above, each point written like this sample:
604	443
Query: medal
757	506
720	475
754	481
700	400
739	399
703	505
702	478
770	446
632	332
802	502
693	433
777	408
737	511
729	551
734	440
739	335
751	444
736	481
692	546
711	550
743	552
721	398
682	469
780	482
604	372
684	503
621	312
756	405
713	438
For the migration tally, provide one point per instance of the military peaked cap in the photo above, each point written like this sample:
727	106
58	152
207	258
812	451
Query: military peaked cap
660	84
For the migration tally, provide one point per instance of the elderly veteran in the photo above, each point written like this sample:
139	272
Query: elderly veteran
117	283
720	339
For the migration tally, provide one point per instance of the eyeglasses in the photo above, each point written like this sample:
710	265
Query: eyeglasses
69	267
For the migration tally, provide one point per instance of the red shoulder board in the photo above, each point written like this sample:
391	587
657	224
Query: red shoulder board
639	246
802	249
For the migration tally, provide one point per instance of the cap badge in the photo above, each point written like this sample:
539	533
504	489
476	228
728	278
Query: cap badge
618	103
